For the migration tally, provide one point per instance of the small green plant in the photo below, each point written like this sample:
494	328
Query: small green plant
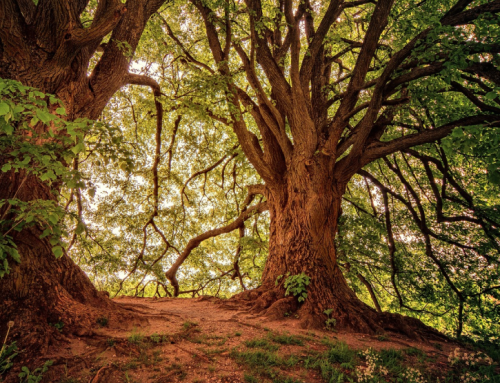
296	285
156	338
286	339
7	353
438	346
412	351
102	321
277	282
237	333
36	375
136	337
188	324
382	337
58	325
261	343
250	379
110	342
330	322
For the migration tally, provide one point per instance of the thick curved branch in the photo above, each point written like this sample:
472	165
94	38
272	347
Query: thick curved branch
195	242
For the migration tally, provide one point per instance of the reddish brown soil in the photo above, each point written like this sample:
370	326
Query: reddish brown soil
196	338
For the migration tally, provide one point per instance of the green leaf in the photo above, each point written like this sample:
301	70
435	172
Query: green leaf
9	129
44	116
61	111
80	228
78	148
58	251
4	108
491	95
6	167
15	255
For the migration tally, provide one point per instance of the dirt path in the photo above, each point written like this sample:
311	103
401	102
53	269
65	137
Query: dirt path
202	340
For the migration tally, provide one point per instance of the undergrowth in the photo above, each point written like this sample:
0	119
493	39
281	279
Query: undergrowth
268	362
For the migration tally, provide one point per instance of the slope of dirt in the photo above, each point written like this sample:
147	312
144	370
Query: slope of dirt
200	340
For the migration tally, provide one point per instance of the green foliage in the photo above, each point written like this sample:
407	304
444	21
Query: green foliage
7	353
35	376
261	343
102	321
286	339
188	325
156	338
330	321
58	325
330	362
296	285
136	337
37	140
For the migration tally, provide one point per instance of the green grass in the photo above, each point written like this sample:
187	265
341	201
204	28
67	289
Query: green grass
102	321
188	324
339	352
209	340
155	338
286	339
261	343
412	351
136	337
266	364
250	379
216	351
392	359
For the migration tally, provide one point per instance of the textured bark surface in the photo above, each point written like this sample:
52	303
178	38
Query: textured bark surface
46	46
304	216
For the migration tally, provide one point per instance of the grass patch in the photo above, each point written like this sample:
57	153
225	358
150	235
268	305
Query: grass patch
266	364
136	337
286	339
209	340
261	343
188	324
102	321
412	351
392	360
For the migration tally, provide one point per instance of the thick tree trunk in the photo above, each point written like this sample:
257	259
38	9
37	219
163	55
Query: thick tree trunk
304	217
44	45
43	291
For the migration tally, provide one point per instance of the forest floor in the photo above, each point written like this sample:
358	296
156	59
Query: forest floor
206	340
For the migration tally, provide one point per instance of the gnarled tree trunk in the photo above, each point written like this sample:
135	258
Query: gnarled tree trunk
305	210
46	46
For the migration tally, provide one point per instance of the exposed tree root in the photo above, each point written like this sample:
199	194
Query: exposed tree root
351	316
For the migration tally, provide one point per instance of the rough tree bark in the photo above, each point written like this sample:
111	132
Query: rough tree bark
46	46
304	216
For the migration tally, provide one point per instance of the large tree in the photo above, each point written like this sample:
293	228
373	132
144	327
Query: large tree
315	91
79	51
